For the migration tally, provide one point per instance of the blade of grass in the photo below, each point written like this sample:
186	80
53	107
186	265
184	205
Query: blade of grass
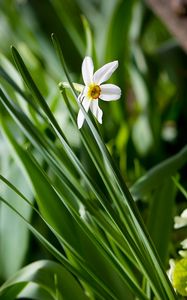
161	217
154	176
33	88
180	187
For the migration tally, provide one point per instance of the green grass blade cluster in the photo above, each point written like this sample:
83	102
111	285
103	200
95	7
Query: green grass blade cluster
110	240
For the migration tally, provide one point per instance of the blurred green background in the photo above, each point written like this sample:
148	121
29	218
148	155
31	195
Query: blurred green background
149	122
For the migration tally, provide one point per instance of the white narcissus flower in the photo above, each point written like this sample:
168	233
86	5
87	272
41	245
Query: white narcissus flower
94	88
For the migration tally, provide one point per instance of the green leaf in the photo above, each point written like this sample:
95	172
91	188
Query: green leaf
18	89
160	220
11	292
34	291
50	276
154	177
64	10
142	135
180	187
34	89
89	39
13	230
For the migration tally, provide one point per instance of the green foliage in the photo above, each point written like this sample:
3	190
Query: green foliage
180	276
125	219
79	186
47	277
13	231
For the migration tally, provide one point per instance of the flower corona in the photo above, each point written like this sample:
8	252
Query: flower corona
94	91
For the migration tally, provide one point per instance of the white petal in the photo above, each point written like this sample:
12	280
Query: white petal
171	269
105	72
110	92
87	70
184	244
183	253
81	95
80	118
184	214
95	109
180	222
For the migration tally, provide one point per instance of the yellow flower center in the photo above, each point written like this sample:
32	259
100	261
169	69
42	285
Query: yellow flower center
94	91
